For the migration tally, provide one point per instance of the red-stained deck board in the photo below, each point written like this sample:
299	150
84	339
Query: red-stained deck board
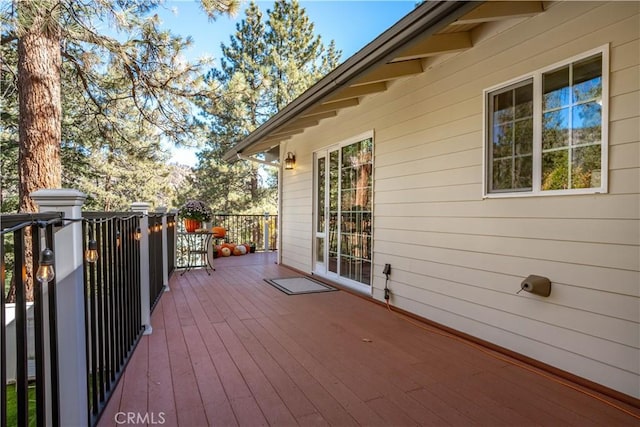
229	349
160	384
321	399
188	402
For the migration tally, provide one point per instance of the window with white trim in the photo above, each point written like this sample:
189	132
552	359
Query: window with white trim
546	133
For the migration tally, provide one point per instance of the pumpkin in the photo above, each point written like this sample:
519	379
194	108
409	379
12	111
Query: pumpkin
239	250
225	252
247	247
219	232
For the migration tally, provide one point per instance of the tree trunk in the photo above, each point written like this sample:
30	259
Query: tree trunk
39	60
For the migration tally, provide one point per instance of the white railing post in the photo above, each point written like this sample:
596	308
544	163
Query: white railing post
165	249
266	231
145	292
70	304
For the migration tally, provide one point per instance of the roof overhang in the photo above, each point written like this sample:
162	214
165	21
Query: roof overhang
433	28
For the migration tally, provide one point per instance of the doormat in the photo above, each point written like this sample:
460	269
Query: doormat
299	285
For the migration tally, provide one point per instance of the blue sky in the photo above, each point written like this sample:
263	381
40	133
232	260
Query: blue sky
352	24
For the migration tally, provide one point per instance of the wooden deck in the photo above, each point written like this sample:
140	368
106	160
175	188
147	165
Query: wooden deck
229	349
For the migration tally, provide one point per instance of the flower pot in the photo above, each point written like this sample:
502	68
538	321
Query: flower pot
191	225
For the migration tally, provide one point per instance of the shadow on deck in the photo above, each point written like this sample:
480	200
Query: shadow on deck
229	349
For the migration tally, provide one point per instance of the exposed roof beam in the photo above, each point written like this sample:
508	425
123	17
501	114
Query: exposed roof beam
437	44
332	106
304	122
300	124
497	10
357	91
280	134
391	71
265	145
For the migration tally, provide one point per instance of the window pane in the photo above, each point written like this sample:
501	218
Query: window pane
511	136
555	129
585	170
503	107
524	102
523	137
319	249
501	174
321	181
502	141
587	79
555	170
555	89
333	180
522	172
587	121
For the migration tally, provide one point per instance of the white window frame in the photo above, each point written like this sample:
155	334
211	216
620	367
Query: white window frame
536	76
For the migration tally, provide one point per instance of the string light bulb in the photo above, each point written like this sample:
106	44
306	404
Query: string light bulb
91	254
46	272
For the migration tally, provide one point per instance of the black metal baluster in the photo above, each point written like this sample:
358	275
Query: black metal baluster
3	339
38	332
53	338
22	379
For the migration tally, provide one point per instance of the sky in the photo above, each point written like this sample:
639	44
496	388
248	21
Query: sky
352	24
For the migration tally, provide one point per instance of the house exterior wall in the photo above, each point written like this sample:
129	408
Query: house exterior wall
459	259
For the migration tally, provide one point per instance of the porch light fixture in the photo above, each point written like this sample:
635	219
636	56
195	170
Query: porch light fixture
290	161
45	272
91	254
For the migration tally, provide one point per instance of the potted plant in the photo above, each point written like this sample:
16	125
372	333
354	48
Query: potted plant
194	212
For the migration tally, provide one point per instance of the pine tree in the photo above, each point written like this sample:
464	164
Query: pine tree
297	56
145	69
265	66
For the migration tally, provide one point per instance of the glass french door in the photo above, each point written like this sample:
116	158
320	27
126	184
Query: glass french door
343	212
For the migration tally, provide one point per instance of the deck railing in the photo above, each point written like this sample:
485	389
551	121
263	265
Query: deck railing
112	300
258	230
111	269
28	367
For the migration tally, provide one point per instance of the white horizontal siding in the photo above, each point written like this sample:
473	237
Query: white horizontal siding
459	259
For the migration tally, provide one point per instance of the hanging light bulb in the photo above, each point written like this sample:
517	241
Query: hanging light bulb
45	272
138	234
118	238
91	254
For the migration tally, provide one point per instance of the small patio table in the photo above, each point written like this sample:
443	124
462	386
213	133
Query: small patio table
199	250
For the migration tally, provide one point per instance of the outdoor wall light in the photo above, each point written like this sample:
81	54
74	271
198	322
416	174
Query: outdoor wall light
91	254
290	161
45	272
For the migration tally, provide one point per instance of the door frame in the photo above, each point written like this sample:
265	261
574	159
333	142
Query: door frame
322	268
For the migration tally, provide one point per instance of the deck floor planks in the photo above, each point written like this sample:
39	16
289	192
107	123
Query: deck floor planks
230	349
272	406
160	383
331	409
287	390
334	385
377	377
189	406
240	398
134	391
